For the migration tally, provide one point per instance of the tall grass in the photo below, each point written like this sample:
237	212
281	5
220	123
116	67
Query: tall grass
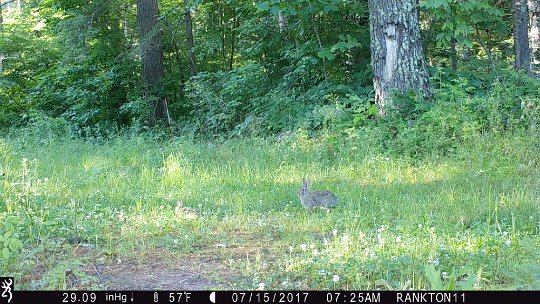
474	217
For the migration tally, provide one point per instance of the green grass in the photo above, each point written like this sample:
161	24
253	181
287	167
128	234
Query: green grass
475	216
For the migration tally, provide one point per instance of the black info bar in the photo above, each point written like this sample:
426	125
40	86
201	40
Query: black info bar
248	297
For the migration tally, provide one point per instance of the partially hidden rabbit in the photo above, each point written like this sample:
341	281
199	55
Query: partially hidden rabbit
316	199
185	212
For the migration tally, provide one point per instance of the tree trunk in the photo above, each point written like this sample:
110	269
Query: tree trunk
151	50
534	9
282	21
189	39
233	38
453	54
125	24
521	37
396	50
19	6
223	36
1	16
1	30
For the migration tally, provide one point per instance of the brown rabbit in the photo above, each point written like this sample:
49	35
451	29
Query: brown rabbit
316	199
185	212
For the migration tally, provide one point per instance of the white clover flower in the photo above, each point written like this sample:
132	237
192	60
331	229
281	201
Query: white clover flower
508	242
311	246
436	262
334	232
315	252
505	233
398	239
419	226
303	247
335	278
291	249
261	286
445	275
372	255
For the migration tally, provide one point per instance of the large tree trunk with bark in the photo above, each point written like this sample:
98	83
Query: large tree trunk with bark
397	56
521	37
189	39
534	33
151	51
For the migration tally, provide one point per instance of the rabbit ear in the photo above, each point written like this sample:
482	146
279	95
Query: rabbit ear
305	182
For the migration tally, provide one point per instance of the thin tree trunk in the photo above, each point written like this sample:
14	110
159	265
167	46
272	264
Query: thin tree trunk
282	21
487	50
189	40
1	30
1	16
396	50
233	37
316	30
19	6
223	36
453	54
534	33
521	37
125	24
151	51
453	49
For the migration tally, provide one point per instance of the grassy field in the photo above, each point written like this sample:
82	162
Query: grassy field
71	210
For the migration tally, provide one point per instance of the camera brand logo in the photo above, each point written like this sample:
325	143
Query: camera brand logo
6	285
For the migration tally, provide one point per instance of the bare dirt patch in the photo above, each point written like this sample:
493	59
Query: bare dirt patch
160	272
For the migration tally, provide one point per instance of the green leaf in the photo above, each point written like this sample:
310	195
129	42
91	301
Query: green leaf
263	7
439	3
274	10
325	53
434	277
5	253
7	234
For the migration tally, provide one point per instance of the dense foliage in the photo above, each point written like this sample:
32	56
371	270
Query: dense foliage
264	68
